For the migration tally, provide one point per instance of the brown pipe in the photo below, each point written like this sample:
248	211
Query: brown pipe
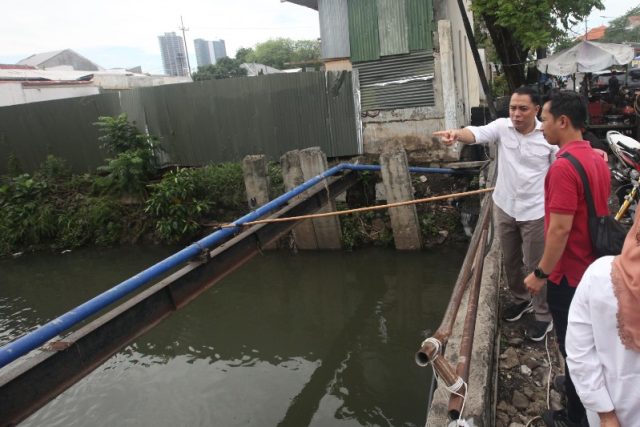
444	331
468	332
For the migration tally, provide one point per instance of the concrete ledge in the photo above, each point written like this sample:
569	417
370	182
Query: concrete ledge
479	405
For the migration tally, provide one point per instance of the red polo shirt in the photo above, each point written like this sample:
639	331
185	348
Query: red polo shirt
564	194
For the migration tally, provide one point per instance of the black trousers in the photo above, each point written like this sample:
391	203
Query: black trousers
559	297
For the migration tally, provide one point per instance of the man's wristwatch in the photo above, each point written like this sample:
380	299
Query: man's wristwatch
539	273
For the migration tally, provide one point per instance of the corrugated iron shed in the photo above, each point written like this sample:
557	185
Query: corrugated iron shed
334	28
420	24
392	26
402	81
364	37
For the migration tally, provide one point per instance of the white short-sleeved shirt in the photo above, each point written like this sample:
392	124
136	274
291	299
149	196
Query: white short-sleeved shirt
523	162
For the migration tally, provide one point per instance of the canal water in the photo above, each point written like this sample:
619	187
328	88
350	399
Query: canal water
287	340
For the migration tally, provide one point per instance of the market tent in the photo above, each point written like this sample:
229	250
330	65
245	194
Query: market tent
586	57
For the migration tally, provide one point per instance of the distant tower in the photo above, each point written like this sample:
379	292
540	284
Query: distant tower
209	51
174	58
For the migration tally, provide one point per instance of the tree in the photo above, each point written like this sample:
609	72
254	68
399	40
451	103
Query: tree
243	53
518	29
278	52
225	68
617	31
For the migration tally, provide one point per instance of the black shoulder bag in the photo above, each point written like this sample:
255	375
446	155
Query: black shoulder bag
607	234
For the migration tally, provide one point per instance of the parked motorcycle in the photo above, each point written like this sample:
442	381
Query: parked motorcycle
625	169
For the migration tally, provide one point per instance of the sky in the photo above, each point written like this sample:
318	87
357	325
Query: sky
124	34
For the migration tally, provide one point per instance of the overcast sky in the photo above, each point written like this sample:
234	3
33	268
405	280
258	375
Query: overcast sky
120	33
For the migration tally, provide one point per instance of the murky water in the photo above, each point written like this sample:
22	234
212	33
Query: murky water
293	340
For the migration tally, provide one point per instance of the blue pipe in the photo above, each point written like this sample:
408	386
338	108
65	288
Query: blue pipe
35	339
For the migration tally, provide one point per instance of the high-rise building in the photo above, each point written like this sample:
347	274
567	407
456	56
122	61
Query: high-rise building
209	51
174	58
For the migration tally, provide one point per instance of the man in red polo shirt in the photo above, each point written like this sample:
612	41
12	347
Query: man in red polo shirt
567	250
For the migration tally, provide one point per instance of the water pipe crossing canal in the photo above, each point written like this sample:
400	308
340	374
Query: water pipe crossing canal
104	324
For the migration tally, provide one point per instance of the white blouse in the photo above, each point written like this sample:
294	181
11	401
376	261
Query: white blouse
606	374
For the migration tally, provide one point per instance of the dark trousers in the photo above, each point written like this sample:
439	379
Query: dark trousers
559	298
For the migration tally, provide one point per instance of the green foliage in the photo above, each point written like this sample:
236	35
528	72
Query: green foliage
499	86
97	220
175	206
617	32
55	168
518	28
14	168
185	197
225	68
243	53
27	214
134	162
276	183
281	51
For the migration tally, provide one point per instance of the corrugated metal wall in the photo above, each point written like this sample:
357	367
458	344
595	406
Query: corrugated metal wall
197	123
334	28
420	24
397	82
392	25
63	128
389	27
364	38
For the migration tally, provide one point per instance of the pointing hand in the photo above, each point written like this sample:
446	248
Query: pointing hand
448	137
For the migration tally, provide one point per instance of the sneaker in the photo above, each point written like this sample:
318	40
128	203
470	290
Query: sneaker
558	419
538	330
515	311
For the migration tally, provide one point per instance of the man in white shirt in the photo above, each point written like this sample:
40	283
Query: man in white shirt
524	157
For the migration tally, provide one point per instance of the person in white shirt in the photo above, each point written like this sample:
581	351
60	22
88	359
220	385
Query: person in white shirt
603	337
524	157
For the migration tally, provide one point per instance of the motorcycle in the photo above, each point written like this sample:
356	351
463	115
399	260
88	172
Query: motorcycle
625	169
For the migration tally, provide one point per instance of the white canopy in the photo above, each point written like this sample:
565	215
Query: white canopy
586	57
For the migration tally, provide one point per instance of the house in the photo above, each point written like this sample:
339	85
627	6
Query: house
594	34
632	22
255	69
61	59
413	71
21	84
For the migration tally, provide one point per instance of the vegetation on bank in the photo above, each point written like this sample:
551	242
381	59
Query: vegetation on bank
129	199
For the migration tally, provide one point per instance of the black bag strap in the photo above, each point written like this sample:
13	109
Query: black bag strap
585	183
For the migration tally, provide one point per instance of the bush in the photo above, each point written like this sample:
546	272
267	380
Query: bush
134	162
175	206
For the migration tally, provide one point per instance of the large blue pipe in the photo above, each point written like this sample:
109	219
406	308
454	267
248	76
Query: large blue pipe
35	339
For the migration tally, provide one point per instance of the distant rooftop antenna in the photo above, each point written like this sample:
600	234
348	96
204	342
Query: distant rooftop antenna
184	39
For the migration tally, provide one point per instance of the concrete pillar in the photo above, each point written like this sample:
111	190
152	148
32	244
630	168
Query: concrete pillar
449	93
256	184
303	234
256	180
398	188
328	234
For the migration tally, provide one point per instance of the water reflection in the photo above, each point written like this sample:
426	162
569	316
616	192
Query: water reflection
308	339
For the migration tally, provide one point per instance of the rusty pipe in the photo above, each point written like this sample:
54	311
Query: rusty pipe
444	330
468	332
